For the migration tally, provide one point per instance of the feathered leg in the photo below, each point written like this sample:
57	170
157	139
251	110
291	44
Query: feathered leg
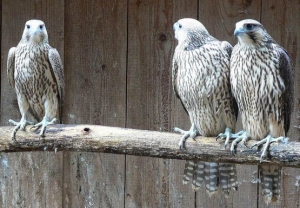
51	108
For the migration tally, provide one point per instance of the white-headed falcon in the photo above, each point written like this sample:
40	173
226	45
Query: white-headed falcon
35	71
201	80
261	75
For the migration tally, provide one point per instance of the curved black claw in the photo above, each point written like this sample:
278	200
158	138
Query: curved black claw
182	147
34	128
240	136
221	136
252	146
245	144
182	141
225	145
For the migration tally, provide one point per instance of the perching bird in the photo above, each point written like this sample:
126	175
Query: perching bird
200	76
35	71
261	75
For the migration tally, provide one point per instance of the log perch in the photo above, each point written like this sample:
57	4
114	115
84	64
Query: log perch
93	138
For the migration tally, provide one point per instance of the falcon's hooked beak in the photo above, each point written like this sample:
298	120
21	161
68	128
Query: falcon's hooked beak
36	36
238	31
242	34
176	26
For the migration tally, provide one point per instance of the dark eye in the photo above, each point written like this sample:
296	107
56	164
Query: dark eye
180	26
41	27
28	26
249	26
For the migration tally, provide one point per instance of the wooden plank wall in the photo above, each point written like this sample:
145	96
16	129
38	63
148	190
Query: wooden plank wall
117	57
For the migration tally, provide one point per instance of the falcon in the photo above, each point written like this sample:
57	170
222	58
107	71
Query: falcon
200	78
35	71
261	75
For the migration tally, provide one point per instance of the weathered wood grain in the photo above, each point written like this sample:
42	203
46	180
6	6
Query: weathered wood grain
92	138
28	179
151	103
280	19
95	71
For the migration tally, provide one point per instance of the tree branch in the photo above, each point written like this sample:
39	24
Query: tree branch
92	138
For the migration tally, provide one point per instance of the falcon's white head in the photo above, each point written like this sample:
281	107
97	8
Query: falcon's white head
35	32
189	29
251	32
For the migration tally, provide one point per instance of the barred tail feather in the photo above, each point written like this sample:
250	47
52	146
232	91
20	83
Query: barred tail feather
189	170
198	175
211	173
227	177
271	182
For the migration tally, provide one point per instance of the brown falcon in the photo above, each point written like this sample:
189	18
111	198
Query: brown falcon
261	75
35	71
200	76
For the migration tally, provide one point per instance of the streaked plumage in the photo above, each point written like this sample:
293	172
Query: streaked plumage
261	75
200	76
35	71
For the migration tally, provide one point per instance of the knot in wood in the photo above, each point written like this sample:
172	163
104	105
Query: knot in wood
162	37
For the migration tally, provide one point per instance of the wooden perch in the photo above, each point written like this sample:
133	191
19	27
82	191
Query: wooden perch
92	138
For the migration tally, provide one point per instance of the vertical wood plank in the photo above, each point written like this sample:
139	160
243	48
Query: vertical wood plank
95	71
151	103
31	179
221	24
281	20
28	179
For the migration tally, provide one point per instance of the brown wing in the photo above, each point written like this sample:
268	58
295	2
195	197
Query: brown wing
11	66
58	72
287	74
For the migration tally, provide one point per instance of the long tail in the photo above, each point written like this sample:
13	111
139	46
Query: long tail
228	177
189	170
270	176
213	174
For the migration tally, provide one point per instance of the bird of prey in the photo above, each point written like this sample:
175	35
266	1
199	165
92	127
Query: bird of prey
261	75
200	77
35	71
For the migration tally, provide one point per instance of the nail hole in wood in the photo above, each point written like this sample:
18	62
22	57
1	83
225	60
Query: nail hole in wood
85	130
